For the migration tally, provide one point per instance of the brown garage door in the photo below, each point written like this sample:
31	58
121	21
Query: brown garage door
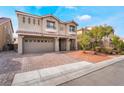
38	45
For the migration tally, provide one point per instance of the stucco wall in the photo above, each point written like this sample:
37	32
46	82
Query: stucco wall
29	27
45	29
5	34
43	25
0	38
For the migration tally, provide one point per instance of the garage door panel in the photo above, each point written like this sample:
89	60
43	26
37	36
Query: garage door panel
38	45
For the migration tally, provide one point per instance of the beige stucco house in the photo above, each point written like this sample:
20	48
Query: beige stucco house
38	34
122	38
6	32
83	30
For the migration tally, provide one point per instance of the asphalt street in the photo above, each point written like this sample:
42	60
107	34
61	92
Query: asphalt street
112	75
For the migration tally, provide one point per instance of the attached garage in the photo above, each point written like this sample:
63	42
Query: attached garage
38	45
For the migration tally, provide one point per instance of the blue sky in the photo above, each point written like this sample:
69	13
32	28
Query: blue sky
83	15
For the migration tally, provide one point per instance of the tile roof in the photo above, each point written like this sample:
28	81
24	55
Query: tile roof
47	16
4	19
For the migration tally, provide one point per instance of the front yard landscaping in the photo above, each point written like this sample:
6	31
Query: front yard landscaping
12	63
89	56
101	39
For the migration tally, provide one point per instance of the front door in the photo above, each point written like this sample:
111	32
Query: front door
72	45
62	44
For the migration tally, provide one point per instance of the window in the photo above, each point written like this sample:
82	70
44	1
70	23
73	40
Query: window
26	40
38	40
29	20
33	21
5	28
23	19
51	25
38	22
45	40
72	28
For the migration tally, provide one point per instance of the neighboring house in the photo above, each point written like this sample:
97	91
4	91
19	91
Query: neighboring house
83	30
6	33
122	38
15	44
45	34
106	40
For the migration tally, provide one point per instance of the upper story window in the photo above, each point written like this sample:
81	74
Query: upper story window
5	28
29	20
33	21
38	22
72	28
23	19
51	25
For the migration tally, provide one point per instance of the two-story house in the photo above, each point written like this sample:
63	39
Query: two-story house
38	34
6	33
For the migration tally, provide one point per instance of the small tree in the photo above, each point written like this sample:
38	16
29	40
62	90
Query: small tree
118	44
97	33
108	30
95	37
84	41
121	45
115	41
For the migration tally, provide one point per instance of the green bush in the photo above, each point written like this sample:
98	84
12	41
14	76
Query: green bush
97	49
103	50
109	50
121	53
115	51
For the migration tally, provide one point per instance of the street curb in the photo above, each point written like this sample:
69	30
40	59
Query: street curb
41	75
74	75
58	78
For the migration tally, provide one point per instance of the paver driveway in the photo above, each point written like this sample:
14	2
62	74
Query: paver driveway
11	63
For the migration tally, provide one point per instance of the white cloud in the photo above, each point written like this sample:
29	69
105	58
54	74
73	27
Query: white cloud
84	17
71	7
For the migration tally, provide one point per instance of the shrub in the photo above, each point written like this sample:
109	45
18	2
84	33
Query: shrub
103	50
97	49
114	51
121	53
109	50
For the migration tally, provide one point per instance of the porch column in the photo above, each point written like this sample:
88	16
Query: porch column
56	44
68	44
20	44
76	46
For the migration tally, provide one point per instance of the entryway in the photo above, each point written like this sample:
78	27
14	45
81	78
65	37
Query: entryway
62	44
72	44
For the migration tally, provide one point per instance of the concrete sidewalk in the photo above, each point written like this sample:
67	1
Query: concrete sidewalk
38	76
60	74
